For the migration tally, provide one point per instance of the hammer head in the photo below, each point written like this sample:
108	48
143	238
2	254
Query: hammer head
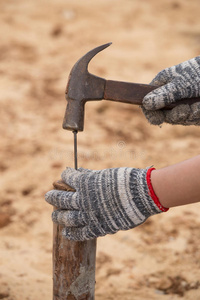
82	87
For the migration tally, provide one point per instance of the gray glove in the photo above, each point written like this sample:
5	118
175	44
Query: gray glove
175	83
105	201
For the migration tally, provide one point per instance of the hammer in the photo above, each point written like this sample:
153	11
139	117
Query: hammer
74	262
83	86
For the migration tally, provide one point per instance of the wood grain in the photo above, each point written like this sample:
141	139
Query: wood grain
60	185
73	263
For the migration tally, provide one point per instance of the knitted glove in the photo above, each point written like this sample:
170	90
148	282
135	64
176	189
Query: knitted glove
105	201
175	83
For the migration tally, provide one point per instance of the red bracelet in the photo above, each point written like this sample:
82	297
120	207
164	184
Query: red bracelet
151	191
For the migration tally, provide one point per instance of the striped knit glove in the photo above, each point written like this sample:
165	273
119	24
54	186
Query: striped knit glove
105	201
175	83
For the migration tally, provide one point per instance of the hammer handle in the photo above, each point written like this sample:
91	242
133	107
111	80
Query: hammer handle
134	93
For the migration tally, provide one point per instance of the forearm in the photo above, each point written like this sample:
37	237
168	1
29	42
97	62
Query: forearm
178	184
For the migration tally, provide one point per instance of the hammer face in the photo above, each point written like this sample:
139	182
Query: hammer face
74	115
79	91
82	87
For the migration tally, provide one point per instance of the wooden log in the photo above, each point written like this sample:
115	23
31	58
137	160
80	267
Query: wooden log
73	264
60	185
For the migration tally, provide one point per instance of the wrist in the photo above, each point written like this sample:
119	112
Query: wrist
152	192
178	184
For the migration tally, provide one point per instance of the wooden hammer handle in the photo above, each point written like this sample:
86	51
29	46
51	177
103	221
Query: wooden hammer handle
133	93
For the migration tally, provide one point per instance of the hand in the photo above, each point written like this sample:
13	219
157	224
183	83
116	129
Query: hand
105	202
175	83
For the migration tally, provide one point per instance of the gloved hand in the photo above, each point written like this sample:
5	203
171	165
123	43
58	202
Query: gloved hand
105	201
175	83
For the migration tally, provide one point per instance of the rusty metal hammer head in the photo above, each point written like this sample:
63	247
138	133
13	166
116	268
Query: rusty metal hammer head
82	87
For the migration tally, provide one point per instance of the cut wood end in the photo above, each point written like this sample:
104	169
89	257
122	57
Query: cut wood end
60	185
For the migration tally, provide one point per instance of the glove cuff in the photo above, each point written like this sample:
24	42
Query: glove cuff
151	192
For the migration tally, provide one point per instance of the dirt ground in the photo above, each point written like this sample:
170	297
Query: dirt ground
40	42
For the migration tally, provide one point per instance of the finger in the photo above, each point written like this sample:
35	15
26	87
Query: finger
69	218
195	111
82	234
154	117
192	122
194	116
62	199
163	77
162	96
85	170
71	177
178	115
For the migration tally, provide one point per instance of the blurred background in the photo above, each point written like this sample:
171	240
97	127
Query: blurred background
40	42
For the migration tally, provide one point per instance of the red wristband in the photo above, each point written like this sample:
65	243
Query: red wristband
151	191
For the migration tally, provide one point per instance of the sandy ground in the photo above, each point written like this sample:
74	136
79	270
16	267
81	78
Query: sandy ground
40	42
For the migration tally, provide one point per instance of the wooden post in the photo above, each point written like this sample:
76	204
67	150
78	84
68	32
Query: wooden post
73	267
